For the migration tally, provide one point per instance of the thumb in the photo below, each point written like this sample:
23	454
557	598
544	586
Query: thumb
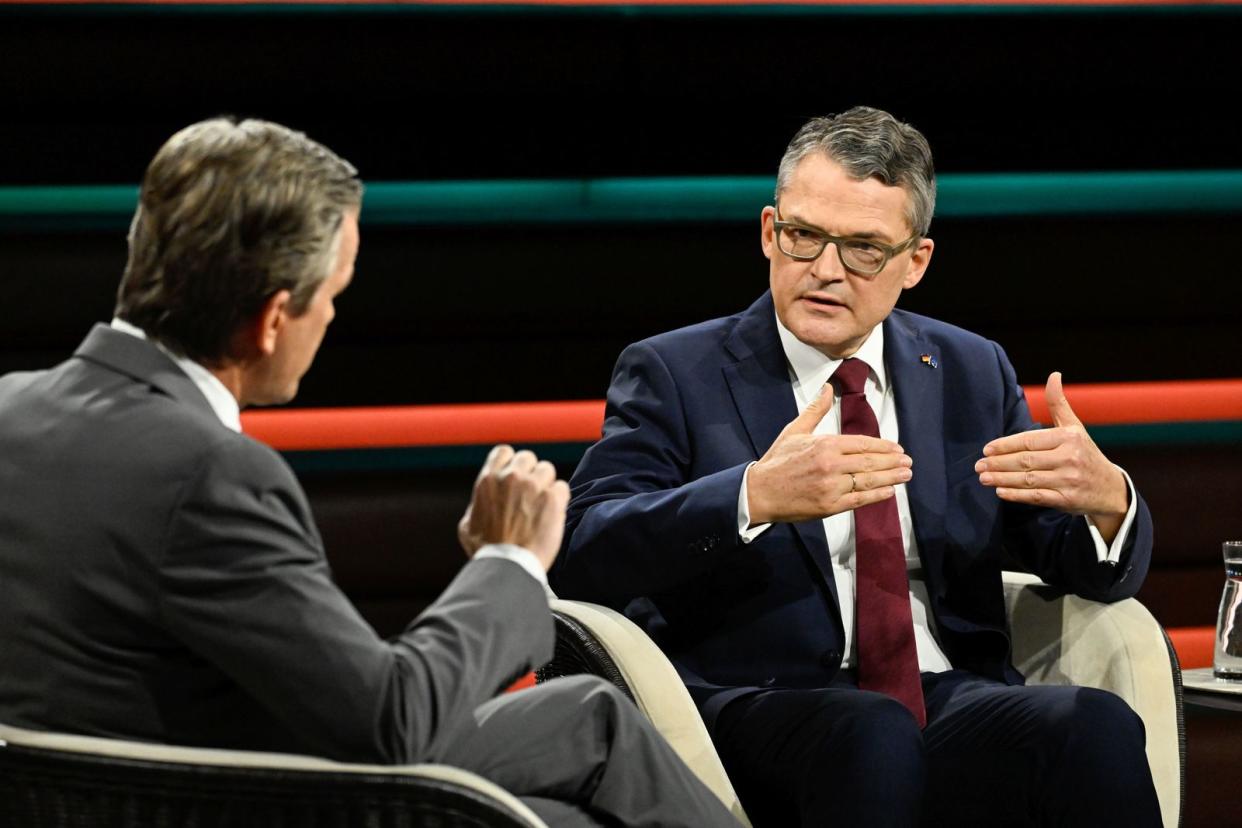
1058	405
819	407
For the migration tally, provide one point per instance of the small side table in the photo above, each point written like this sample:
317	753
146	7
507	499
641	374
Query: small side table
1200	687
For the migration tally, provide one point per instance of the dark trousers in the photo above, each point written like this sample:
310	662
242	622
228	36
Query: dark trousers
579	754
991	755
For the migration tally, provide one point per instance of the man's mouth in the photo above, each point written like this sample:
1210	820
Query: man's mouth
823	301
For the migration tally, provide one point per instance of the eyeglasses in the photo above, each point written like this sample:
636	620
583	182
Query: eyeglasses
862	256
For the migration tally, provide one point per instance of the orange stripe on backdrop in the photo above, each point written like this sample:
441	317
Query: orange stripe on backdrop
1146	402
577	421
426	425
1195	646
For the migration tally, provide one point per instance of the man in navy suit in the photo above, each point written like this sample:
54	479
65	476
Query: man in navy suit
730	514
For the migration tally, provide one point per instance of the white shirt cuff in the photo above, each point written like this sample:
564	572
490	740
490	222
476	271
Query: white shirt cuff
520	555
744	530
1103	552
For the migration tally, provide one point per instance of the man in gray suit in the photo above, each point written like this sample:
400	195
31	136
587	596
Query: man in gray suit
163	579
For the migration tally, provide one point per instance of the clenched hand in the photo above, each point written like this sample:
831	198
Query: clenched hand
517	499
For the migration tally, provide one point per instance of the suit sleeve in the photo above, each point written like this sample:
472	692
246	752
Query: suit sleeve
1058	547
246	585
637	523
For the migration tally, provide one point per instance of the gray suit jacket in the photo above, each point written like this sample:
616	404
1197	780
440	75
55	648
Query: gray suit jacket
161	578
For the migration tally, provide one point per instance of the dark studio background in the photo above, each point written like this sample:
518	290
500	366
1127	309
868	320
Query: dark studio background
541	311
447	313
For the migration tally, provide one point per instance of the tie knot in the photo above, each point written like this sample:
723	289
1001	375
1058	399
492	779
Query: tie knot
851	376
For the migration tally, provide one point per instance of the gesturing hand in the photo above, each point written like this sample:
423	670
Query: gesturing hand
1060	467
517	499
805	476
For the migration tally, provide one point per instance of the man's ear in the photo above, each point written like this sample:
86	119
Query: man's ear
919	261
270	321
767	231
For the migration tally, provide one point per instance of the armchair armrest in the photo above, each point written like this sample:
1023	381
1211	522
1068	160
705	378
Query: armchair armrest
1063	639
600	641
55	779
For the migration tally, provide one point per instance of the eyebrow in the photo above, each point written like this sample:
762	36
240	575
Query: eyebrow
865	235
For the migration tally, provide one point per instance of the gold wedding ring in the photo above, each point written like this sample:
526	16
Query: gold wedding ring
853	484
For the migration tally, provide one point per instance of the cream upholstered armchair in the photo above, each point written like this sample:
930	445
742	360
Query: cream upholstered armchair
1057	639
51	780
1064	639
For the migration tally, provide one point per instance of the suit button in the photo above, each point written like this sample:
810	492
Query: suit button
830	661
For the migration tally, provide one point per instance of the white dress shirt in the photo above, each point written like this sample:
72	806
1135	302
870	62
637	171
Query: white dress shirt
809	370
227	409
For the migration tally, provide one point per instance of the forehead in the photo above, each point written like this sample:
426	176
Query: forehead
821	192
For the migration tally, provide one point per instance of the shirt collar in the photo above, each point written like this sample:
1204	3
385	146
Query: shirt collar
221	400
812	368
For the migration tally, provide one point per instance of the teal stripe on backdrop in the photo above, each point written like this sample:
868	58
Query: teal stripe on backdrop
567	455
678	199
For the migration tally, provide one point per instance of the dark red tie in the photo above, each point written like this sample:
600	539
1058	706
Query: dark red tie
887	659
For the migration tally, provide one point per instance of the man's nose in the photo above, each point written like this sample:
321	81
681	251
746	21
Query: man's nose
828	267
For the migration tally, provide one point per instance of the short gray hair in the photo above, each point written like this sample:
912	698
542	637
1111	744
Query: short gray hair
229	214
870	143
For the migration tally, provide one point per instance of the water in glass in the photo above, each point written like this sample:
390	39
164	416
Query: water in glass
1227	662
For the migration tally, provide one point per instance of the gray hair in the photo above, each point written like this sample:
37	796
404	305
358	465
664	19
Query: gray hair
870	143
229	214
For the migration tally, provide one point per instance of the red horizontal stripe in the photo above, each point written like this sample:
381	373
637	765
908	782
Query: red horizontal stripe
1146	402
1194	645
580	421
427	425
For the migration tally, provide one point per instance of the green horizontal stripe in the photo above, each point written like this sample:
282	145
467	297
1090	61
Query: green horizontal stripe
689	199
1138	435
567	455
620	10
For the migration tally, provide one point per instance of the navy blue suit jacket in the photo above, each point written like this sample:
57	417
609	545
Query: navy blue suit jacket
652	524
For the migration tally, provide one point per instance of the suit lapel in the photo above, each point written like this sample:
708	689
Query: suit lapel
918	387
761	389
759	378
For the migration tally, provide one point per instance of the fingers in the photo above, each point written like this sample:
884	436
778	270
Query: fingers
858	444
858	463
1043	439
549	529
544	474
806	422
858	499
1035	497
1058	405
559	493
1021	461
517	499
522	462
868	481
1050	480
496	459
